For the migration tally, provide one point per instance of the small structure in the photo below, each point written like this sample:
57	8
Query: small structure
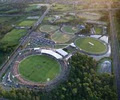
62	52
73	45
33	17
81	27
91	43
36	49
57	17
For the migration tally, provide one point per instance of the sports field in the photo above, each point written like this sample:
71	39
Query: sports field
91	45
31	8
60	37
98	30
39	68
69	29
48	28
13	36
26	23
61	7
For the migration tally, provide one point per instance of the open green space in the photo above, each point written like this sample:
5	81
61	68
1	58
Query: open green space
60	37
91	45
39	68
31	8
4	19
26	23
69	29
58	46
48	28
13	36
61	7
98	30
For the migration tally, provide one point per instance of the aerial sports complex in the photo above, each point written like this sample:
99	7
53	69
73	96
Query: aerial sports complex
39	67
43	61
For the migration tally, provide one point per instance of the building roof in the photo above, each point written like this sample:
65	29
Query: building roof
52	53
73	45
62	52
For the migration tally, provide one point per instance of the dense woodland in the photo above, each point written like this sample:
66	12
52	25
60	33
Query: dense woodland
83	83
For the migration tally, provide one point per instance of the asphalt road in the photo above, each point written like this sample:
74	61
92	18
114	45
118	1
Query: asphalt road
115	52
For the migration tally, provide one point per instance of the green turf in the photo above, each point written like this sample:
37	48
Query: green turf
61	7
13	36
27	23
60	37
98	30
39	68
69	29
97	48
51	18
30	8
4	19
48	28
58	46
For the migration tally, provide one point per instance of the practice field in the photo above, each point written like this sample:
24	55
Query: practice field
39	68
31	8
91	45
60	37
26	23
98	30
69	29
13	36
61	7
48	28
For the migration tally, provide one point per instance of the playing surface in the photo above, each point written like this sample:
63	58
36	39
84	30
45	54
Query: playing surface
39	68
60	37
91	45
26	23
48	28
69	29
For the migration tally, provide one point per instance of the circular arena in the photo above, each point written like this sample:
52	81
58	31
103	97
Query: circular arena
60	37
48	28
69	29
38	67
91	45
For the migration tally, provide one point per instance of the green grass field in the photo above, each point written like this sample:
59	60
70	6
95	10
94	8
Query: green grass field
69	29
60	37
26	23
4	19
97	48
98	30
39	68
13	36
61	7
30	8
48	28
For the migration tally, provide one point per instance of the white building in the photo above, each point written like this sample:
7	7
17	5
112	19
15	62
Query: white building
62	52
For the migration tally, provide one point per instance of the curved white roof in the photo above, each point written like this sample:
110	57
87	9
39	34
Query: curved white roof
52	53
